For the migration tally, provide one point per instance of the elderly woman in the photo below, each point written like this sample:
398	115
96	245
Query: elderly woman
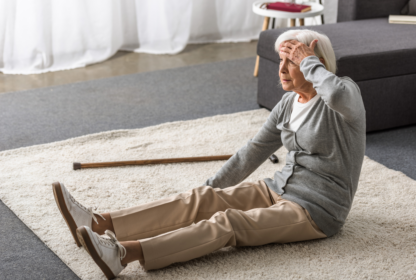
320	121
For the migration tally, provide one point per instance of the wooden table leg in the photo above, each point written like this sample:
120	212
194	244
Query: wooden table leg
265	27
322	16
302	22
292	22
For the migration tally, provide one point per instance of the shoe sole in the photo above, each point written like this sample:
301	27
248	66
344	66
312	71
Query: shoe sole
85	239
60	201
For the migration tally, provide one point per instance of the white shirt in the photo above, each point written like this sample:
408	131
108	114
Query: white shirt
300	111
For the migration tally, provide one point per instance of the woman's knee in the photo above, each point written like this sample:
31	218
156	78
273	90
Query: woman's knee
223	222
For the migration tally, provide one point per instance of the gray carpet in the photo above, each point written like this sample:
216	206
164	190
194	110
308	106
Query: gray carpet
394	148
134	101
23	255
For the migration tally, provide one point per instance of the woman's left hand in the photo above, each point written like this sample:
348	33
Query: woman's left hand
297	51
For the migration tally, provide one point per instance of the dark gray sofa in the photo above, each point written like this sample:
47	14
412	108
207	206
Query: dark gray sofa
380	57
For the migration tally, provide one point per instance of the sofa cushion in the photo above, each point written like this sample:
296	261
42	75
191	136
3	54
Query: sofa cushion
366	9
365	49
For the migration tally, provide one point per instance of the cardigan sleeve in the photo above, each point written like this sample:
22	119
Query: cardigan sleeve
251	156
340	94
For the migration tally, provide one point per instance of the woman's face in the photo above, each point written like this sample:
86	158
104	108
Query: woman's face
292	78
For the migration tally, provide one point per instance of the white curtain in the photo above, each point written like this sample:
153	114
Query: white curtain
38	36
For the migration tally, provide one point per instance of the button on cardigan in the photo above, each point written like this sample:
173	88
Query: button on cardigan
325	154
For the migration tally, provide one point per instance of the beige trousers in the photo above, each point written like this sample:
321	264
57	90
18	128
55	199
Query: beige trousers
248	214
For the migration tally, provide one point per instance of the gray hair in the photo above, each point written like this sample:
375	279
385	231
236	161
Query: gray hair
322	49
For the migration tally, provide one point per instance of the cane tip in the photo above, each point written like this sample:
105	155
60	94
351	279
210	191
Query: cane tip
77	165
273	158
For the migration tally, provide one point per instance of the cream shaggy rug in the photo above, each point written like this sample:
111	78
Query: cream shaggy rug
378	240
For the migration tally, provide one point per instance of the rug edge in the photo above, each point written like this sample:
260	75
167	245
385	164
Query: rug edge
92	135
39	238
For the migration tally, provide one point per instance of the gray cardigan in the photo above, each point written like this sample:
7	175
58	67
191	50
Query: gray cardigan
325	154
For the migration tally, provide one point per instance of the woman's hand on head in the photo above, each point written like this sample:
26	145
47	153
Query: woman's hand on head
296	51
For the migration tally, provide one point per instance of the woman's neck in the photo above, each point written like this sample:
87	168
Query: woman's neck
304	97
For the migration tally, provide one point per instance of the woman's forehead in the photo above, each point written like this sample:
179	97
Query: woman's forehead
282	57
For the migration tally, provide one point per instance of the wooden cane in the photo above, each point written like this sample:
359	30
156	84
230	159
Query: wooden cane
78	165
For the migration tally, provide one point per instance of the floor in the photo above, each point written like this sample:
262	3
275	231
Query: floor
24	256
123	63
